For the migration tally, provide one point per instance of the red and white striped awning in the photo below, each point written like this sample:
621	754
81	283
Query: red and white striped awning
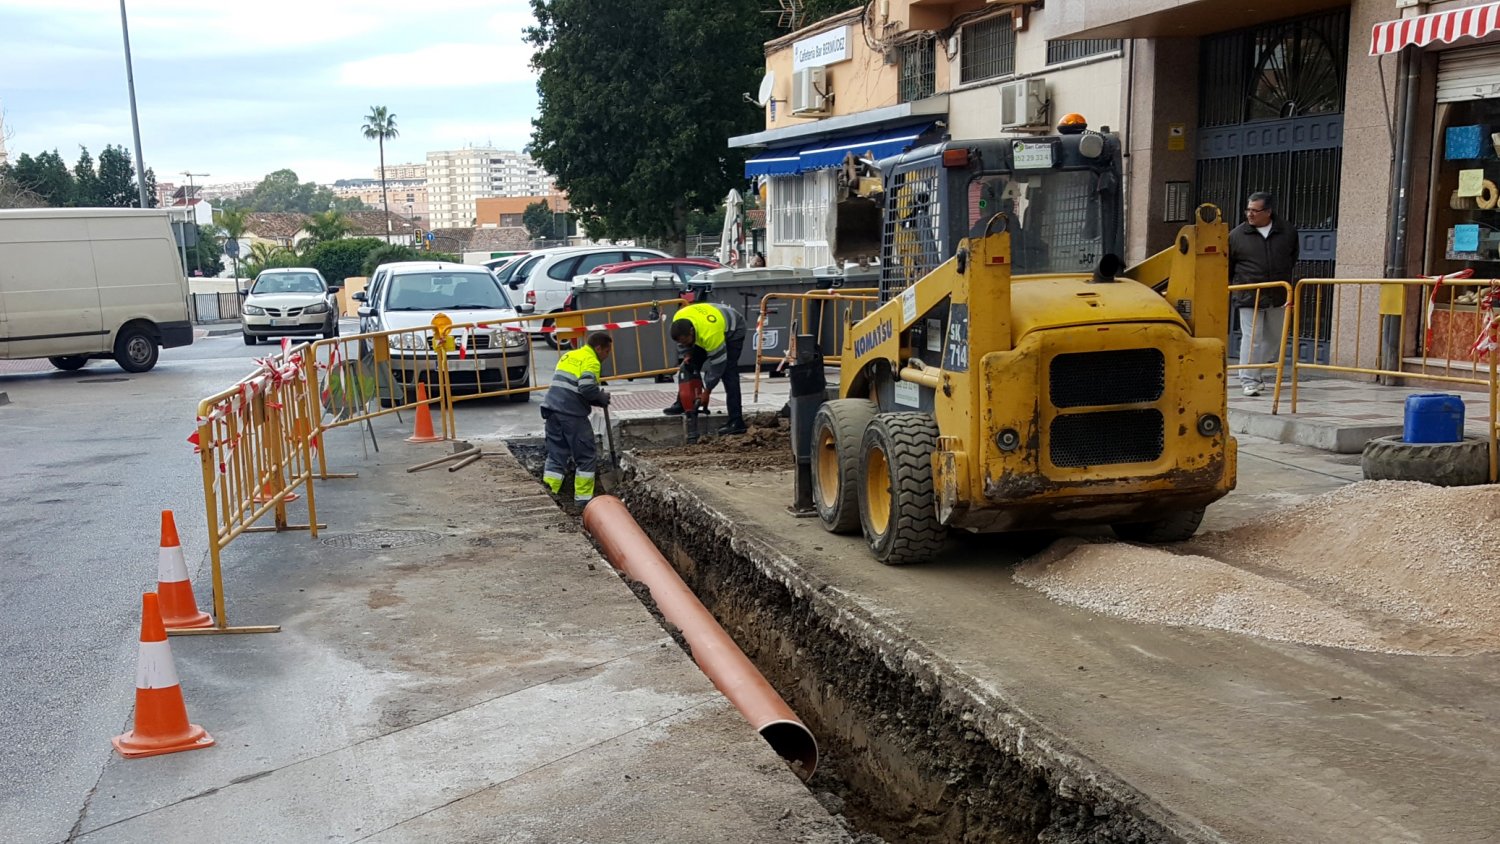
1447	27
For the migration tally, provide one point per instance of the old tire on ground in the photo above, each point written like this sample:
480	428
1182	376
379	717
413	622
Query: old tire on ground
838	431
69	363
135	348
1465	463
1177	527
897	504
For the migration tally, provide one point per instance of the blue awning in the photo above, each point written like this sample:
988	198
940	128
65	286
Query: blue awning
830	152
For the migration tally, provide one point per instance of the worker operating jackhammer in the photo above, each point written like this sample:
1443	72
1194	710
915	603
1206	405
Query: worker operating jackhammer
574	393
719	331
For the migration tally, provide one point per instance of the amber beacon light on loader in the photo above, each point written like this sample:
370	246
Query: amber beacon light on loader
1016	375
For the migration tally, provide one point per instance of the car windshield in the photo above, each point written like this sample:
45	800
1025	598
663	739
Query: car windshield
288	283
507	272
436	291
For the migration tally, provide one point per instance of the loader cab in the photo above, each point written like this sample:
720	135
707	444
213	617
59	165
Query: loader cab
1060	196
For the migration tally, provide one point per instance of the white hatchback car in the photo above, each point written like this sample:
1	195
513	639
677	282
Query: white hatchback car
406	296
289	302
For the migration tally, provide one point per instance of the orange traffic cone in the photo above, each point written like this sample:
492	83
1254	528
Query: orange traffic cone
161	721
423	432
178	608
266	496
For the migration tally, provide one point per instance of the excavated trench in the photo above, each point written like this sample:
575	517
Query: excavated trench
913	749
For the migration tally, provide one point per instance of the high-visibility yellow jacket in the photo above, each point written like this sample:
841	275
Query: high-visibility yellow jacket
713	327
575	384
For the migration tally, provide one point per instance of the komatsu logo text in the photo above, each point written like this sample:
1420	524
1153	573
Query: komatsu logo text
878	335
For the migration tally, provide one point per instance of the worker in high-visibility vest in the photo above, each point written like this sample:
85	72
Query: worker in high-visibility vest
719	331
574	393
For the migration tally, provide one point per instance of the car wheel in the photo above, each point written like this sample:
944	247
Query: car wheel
69	363
250	339
333	328
136	349
520	397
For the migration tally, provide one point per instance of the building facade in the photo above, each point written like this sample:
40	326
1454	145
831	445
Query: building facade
406	172
509	211
1364	119
891	76
457	179
408	197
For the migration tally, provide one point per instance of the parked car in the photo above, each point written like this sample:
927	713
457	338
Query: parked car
684	268
290	302
78	284
497	264
544	278
406	296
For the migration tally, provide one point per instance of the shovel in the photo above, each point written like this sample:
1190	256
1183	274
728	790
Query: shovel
609	476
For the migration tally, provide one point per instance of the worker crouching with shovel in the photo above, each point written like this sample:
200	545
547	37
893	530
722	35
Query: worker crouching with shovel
574	393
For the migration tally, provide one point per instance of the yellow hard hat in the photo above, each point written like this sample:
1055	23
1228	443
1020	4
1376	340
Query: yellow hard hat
1072	123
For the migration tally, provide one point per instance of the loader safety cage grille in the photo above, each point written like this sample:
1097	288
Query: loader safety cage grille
1107	437
912	233
1118	376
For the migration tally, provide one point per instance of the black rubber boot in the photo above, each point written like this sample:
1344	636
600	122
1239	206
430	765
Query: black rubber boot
734	426
673	409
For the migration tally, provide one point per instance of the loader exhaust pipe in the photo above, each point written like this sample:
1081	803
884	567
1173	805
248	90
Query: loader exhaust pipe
628	549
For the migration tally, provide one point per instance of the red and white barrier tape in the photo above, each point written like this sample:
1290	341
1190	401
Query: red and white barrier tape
603	326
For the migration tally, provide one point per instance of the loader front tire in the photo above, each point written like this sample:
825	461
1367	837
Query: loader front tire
1176	527
897	505
838	430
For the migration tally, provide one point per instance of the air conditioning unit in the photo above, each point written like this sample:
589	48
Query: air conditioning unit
1023	103
810	91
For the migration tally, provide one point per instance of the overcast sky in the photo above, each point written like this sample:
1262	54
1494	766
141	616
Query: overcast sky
237	89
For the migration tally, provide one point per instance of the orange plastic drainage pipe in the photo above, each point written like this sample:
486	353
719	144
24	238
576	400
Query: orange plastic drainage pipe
628	549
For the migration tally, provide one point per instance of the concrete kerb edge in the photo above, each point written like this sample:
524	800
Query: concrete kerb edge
1325	436
995	715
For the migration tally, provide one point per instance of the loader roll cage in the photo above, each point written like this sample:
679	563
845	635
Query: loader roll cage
1062	204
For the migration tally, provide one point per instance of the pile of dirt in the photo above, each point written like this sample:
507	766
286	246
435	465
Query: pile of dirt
766	446
1391	566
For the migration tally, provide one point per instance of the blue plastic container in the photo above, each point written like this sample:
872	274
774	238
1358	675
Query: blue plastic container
1434	418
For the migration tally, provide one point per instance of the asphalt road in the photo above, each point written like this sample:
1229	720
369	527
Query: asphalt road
89	459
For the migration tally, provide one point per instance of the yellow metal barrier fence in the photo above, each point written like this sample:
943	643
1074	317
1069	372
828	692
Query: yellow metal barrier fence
254	442
1455	343
1288	317
822	312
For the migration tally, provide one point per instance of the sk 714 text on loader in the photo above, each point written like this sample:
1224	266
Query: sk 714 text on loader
1016	376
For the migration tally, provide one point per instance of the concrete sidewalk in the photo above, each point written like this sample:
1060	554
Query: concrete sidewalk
456	664
1339	415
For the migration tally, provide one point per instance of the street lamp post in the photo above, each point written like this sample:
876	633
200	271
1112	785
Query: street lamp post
135	122
187	204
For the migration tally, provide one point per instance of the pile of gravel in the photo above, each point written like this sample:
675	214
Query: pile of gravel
1388	566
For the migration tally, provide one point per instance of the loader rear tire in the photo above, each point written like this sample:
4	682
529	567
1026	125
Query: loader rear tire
838	431
1177	527
897	504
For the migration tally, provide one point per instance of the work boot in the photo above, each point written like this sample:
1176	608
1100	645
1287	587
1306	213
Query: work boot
786	411
734	426
673	409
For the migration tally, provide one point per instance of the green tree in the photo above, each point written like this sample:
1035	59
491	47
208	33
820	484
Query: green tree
86	192
326	226
634	170
46	177
341	259
232	222
390	253
151	201
380	124
539	220
116	179
281	191
208	255
266	256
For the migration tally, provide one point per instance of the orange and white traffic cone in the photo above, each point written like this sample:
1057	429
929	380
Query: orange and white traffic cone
161	721
178	608
266	495
423	432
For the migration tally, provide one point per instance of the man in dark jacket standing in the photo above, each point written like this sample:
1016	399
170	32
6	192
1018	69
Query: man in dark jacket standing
1261	249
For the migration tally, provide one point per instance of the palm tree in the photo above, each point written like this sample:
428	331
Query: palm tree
326	226
233	222
379	125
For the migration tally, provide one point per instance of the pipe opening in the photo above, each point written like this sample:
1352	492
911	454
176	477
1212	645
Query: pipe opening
793	742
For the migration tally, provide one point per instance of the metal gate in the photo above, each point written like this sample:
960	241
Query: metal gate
1271	118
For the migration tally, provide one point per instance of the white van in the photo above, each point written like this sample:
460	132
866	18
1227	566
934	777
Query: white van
84	283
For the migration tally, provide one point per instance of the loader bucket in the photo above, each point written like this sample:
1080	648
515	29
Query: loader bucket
856	230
